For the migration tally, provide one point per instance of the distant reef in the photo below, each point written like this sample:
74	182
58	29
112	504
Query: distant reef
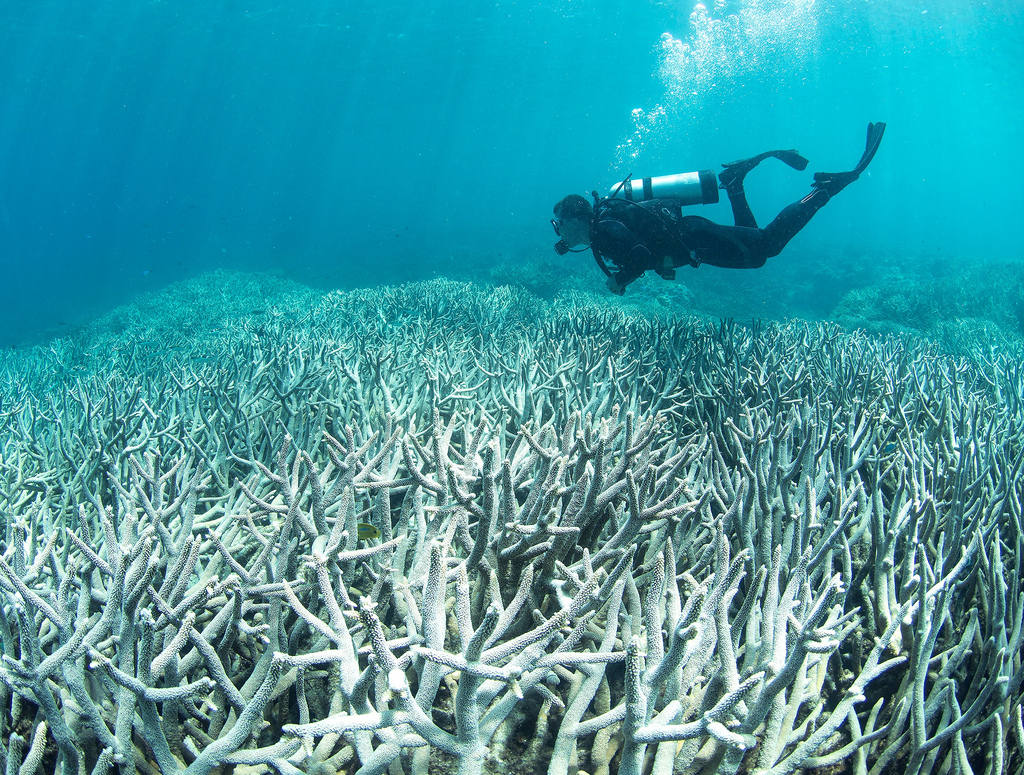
955	304
456	527
949	303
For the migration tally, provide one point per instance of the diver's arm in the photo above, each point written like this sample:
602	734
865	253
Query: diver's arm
625	250
637	263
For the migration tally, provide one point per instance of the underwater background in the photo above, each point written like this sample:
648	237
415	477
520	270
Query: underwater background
317	459
363	143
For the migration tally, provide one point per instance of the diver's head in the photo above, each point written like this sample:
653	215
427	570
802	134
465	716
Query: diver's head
573	216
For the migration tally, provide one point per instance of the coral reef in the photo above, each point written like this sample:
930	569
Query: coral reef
958	304
942	300
443	528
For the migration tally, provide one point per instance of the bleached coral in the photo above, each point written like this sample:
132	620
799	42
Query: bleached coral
414	528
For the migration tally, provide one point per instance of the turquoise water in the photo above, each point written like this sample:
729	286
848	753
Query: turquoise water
349	144
214	451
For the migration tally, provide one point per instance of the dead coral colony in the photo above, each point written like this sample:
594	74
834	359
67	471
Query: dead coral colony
469	532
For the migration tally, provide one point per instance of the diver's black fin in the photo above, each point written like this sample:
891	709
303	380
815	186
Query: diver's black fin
875	132
734	171
834	182
792	158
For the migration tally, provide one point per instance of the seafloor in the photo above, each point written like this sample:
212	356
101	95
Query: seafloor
249	527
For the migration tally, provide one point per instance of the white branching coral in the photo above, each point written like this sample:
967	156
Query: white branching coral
415	529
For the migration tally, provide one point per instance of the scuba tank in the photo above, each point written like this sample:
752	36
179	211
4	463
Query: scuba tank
685	188
688	188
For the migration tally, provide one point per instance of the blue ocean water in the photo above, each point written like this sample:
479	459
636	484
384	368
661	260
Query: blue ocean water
359	143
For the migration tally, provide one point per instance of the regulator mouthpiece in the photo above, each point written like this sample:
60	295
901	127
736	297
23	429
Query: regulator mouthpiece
688	188
561	248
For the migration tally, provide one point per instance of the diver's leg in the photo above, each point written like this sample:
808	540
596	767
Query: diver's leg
731	181
826	185
793	218
742	215
730	247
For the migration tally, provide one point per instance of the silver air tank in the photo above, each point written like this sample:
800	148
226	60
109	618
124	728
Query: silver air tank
688	188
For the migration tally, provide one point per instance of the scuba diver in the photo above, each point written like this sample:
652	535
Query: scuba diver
640	225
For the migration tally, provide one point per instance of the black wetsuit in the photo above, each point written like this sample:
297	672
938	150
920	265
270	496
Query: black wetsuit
630	238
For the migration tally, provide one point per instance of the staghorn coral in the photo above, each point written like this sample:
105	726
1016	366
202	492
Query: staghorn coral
606	544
